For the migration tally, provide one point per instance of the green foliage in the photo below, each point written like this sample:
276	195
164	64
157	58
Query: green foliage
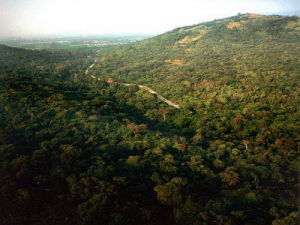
80	151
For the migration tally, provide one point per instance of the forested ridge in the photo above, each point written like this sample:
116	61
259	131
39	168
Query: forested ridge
83	151
232	52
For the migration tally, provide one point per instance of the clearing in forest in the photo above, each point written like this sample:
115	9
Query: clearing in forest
176	62
187	40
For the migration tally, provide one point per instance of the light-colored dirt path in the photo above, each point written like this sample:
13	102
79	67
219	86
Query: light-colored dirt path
144	87
90	67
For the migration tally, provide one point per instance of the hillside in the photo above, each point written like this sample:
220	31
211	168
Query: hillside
75	149
47	64
247	49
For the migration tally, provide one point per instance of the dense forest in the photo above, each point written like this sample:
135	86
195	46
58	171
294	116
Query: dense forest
83	151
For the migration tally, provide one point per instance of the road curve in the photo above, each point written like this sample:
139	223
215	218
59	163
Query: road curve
144	87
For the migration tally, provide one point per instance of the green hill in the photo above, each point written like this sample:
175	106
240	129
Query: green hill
234	51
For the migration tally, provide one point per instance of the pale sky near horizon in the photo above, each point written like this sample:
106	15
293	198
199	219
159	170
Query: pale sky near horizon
96	17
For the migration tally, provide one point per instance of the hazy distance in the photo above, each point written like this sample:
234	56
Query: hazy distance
19	18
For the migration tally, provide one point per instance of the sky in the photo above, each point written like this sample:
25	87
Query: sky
104	17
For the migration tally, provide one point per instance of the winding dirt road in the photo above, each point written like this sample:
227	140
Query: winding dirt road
90	67
170	103
146	88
